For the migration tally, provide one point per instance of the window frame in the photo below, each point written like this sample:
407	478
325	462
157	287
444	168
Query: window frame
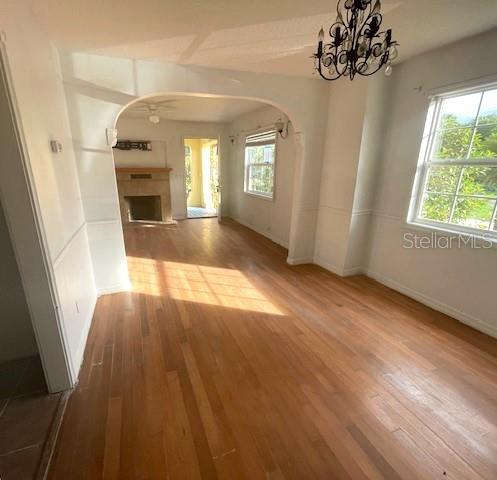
246	166
425	162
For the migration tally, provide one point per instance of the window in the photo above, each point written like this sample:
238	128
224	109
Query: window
458	177
259	164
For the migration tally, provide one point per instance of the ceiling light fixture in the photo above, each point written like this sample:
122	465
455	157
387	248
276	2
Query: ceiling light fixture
155	119
357	46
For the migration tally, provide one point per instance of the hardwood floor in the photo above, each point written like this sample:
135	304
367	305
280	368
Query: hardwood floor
225	362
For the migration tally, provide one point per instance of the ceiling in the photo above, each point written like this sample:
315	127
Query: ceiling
276	36
195	108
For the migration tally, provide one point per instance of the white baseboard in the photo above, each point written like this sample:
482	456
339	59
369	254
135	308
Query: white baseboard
465	318
340	271
83	340
329	266
271	237
298	260
118	288
431	302
349	272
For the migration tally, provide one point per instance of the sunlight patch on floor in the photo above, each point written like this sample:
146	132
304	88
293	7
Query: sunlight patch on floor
223	287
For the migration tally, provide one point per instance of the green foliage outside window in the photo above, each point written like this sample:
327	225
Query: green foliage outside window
214	174
260	165
188	169
462	194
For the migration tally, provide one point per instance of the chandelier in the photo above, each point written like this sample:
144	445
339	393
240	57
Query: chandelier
357	46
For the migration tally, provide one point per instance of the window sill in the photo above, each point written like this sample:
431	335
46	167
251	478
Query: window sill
488	237
262	197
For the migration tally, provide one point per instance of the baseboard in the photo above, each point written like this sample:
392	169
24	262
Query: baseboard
340	271
84	338
349	272
118	288
328	266
459	315
298	260
271	237
465	318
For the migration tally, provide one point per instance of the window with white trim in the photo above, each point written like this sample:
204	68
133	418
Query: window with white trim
260	153
457	186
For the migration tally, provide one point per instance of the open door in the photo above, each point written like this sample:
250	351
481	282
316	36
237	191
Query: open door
203	196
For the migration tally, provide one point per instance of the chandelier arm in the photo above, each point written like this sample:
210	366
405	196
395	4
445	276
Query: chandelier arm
357	45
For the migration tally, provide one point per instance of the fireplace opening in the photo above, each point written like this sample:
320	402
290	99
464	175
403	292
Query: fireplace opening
146	207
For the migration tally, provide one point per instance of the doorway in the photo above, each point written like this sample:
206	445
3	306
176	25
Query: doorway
203	197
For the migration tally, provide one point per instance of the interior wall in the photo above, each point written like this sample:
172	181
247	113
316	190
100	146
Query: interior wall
356	117
346	111
169	136
271	218
98	88
17	338
156	158
39	95
457	281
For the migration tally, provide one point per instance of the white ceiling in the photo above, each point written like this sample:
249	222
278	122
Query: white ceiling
275	36
196	108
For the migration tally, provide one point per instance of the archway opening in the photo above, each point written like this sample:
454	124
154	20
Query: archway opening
180	156
177	155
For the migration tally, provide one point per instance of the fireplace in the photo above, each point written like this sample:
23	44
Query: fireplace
144	207
144	195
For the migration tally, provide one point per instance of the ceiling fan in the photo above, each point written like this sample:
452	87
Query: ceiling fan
153	109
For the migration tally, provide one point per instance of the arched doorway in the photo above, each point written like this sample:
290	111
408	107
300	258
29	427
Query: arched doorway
154	132
99	88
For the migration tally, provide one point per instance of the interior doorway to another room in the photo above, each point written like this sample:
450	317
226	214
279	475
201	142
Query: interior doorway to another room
203	197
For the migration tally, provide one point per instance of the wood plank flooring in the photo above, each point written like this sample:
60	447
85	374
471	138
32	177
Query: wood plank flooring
226	363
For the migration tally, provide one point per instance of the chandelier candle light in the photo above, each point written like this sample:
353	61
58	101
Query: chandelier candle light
357	46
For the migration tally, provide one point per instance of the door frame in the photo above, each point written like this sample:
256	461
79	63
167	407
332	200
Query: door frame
219	160
18	195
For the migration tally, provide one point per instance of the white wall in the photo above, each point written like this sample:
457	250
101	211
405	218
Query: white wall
39	94
97	89
17	338
373	140
167	150
346	110
271	218
460	282
356	115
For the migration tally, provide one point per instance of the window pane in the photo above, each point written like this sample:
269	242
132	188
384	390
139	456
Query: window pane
452	144
436	207
485	142
261	179
473	212
488	110
260	154
479	181
443	179
459	111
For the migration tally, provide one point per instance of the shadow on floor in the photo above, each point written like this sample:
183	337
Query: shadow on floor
27	412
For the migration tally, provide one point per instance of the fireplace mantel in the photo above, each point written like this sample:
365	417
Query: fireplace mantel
143	170
144	182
